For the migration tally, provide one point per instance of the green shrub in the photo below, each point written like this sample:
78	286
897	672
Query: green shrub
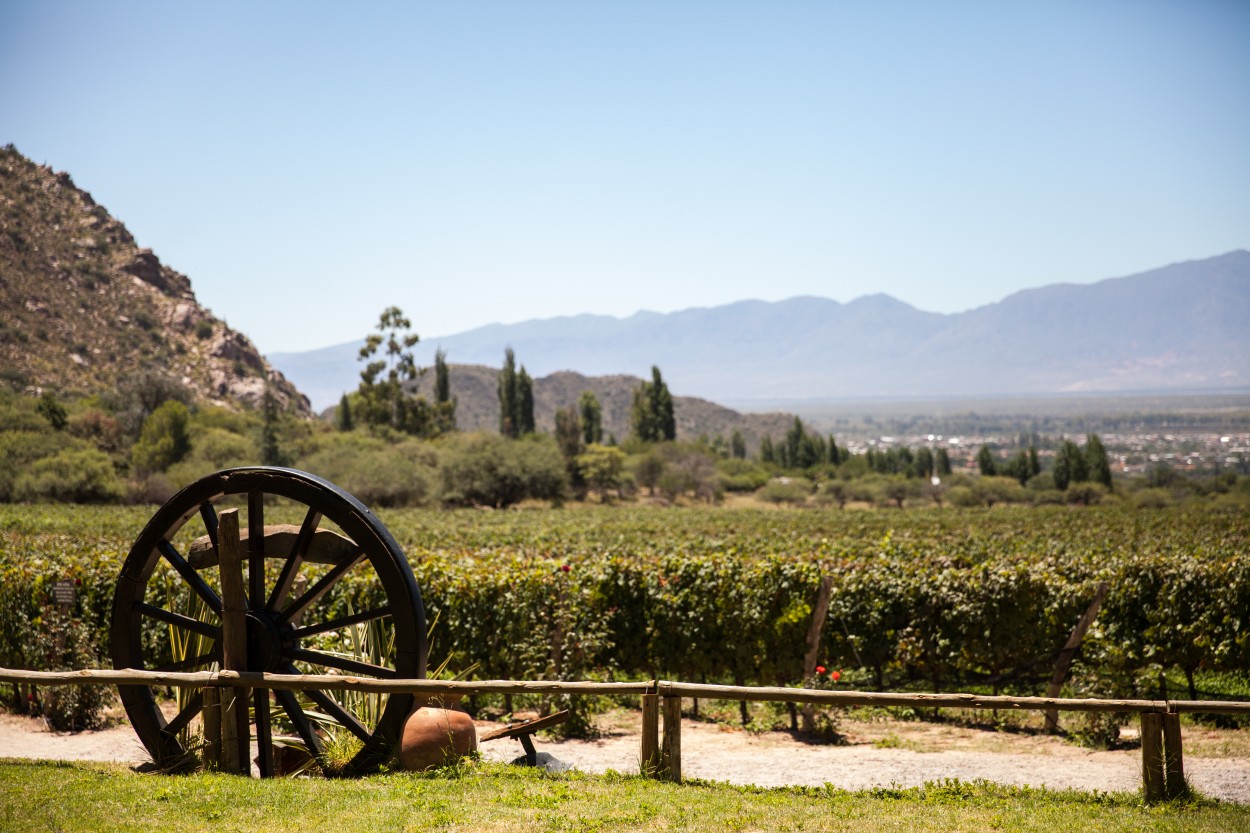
164	439
786	490
487	470
82	475
378	473
19	450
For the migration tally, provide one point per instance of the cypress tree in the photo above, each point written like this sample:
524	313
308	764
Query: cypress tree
508	395
943	461
1098	465
442	378
985	462
767	453
737	446
524	403
592	418
270	452
343	420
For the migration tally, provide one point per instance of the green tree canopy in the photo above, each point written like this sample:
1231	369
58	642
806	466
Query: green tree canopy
1096	461
985	462
389	363
651	412
592	417
163	440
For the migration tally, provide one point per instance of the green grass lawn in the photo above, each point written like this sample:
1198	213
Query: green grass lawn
67	797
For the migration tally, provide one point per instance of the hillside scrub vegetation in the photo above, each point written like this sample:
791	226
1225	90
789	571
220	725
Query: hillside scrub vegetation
141	444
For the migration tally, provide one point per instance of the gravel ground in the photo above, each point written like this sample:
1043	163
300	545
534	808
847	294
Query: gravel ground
719	753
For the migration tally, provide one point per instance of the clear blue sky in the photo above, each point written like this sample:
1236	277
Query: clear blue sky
308	164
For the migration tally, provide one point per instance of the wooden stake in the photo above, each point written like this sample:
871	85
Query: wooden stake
811	658
649	755
1152	756
671	753
236	742
211	717
1064	659
1174	759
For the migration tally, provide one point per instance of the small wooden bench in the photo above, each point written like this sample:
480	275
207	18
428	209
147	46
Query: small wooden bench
524	732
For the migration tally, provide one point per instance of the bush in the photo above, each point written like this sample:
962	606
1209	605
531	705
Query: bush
374	471
487	470
19	450
164	439
83	475
786	490
741	475
65	644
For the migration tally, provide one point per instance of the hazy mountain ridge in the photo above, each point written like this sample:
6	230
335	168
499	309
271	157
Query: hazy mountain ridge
83	307
1180	327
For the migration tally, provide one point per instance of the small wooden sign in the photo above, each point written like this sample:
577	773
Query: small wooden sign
63	593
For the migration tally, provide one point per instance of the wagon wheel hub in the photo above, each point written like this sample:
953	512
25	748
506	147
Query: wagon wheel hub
267	644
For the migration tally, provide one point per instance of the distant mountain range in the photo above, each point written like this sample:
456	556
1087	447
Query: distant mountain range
1184	327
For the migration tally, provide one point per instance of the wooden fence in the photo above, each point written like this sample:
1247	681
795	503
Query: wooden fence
1163	773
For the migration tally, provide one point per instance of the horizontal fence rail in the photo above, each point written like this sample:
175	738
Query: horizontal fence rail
1162	759
344	682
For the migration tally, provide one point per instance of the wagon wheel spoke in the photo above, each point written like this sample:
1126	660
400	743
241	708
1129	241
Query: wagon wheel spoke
345	718
255	548
190	662
303	726
209	516
179	620
188	713
264	733
341	663
190	576
323	584
343	622
293	562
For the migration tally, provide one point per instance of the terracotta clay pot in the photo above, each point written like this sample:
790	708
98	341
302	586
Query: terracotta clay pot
434	736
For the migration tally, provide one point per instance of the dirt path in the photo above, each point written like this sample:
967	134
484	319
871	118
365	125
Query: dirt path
879	755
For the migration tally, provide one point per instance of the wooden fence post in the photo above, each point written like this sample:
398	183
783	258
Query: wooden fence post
211	717
670	766
1174	759
1152	756
235	736
1063	661
810	659
649	755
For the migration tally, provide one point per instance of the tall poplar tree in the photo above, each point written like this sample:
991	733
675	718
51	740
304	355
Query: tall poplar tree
652	410
524	403
508	395
1096	461
592	418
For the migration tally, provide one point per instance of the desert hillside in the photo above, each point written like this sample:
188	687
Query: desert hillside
84	307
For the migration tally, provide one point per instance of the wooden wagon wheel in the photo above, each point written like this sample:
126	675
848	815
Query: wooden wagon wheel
330	538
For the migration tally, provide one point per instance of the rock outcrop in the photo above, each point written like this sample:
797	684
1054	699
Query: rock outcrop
83	307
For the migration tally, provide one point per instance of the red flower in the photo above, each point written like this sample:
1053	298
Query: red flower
820	669
78	582
835	676
564	568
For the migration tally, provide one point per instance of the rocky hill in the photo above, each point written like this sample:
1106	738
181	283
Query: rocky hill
82	306
477	408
